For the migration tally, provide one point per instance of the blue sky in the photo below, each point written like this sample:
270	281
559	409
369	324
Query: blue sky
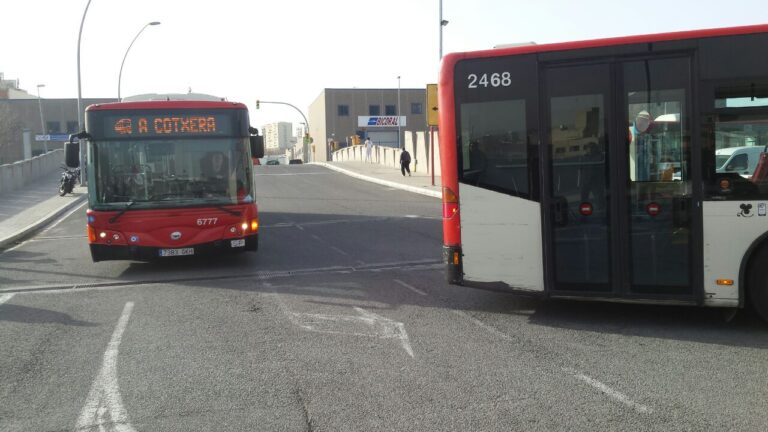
289	50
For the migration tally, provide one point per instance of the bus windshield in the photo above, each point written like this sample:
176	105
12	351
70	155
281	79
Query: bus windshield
150	173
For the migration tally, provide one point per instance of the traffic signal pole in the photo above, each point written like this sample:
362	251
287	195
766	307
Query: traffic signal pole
307	138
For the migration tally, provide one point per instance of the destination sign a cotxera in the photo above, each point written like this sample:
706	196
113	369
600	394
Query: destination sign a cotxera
168	124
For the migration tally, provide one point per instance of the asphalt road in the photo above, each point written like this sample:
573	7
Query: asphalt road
342	322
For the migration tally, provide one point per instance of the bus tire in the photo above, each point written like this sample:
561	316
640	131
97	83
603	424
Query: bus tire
757	282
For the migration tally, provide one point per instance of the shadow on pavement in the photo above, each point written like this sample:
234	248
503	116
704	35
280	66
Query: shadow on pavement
28	315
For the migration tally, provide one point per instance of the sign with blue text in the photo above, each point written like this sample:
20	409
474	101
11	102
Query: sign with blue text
380	121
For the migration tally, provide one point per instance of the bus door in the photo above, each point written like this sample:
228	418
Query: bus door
618	178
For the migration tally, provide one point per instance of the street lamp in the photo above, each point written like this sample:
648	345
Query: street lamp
398	112
443	23
80	97
42	121
120	76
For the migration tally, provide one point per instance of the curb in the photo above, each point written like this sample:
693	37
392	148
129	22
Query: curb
396	185
31	228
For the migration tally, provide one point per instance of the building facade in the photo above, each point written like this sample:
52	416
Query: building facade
337	115
23	120
278	137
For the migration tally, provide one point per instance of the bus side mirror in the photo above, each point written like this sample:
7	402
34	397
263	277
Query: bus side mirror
72	152
257	146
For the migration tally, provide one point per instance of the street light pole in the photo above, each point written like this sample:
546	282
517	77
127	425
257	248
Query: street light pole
120	76
398	112
443	23
80	98
42	121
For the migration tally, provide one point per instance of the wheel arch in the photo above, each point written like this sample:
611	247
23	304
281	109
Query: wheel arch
746	261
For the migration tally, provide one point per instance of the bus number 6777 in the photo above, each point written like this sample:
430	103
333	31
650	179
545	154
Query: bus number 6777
207	221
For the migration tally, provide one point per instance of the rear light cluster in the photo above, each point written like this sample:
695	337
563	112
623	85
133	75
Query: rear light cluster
450	203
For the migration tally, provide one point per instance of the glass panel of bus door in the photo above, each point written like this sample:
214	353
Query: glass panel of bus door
658	176
579	219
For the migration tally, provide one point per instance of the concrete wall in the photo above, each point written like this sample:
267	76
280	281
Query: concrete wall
417	144
15	175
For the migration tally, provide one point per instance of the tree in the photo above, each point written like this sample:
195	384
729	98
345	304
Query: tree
11	129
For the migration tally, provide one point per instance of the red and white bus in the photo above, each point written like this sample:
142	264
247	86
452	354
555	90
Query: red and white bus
169	178
627	169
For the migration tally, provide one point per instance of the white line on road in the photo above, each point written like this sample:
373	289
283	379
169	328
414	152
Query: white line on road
104	409
58	221
5	297
414	289
484	325
62	218
339	251
593	382
612	393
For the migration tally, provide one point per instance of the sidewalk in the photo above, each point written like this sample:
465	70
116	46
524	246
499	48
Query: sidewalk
420	182
24	211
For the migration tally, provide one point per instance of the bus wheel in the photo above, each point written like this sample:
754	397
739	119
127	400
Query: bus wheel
757	282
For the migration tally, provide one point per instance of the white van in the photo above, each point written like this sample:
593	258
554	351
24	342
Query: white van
742	160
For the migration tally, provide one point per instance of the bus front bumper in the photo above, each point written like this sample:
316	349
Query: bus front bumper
102	252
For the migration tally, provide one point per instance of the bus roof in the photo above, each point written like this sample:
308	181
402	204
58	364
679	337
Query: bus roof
166	104
450	60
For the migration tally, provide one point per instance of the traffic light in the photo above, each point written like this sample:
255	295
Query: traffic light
257	104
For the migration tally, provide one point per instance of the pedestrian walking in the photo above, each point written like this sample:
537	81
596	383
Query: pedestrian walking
405	162
368	148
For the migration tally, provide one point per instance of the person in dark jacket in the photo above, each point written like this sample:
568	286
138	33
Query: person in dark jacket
405	162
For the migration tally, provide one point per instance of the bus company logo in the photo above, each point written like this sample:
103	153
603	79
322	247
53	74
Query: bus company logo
383	121
175	235
746	210
124	126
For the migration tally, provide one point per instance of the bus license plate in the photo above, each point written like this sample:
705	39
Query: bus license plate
176	252
238	243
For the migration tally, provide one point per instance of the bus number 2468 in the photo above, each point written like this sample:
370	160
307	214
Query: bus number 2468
496	79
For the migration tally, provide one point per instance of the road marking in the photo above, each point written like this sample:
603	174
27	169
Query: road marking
491	329
292	174
62	218
400	266
5	297
103	408
414	289
48	228
339	251
365	324
621	397
591	381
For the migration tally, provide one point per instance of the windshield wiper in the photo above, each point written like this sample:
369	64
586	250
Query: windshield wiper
114	218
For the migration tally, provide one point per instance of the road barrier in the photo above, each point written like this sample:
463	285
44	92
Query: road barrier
16	175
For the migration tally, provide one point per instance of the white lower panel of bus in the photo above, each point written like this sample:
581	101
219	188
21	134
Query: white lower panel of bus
729	231
501	239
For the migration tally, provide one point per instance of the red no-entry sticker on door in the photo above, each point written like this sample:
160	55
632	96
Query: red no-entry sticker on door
653	209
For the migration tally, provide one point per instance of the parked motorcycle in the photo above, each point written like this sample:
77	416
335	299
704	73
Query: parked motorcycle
69	177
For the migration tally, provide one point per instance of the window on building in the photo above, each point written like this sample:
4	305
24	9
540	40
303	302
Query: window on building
343	110
416	108
374	110
72	127
390	110
53	127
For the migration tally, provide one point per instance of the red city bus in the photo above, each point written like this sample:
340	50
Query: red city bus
169	178
599	169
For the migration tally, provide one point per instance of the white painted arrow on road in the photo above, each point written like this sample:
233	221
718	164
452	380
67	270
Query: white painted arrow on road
364	324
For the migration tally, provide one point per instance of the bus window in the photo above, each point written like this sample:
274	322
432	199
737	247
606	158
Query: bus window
494	146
